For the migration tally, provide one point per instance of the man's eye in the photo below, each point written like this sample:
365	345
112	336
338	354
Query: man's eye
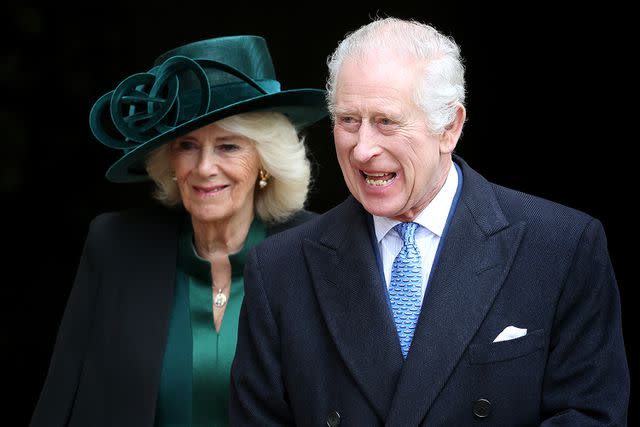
348	122
386	122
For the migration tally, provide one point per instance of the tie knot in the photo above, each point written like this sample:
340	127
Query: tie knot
407	231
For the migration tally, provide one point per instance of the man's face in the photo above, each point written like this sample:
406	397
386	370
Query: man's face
391	162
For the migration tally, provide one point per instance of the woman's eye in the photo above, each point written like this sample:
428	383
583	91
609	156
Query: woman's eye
228	147
185	145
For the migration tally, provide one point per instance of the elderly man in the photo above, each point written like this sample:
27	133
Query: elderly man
430	296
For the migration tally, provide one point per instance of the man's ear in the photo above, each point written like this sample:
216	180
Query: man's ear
451	135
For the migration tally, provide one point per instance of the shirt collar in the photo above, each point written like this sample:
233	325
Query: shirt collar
433	217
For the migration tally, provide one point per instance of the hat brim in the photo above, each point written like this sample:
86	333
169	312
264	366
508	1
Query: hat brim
302	106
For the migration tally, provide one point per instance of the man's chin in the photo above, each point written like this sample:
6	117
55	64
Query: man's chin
378	208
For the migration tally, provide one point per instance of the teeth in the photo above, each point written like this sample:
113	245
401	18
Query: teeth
370	178
376	181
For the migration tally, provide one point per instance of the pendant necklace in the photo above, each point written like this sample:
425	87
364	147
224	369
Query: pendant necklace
220	299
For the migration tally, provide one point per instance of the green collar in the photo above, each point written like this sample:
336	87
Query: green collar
191	263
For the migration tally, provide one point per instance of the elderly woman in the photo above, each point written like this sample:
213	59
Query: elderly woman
150	329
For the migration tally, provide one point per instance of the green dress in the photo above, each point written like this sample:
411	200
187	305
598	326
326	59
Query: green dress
194	384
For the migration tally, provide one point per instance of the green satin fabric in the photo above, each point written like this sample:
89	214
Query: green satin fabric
173	406
194	385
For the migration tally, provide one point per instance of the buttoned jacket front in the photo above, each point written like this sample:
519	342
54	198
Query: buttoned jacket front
317	344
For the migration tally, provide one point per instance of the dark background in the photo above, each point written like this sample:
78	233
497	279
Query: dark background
548	113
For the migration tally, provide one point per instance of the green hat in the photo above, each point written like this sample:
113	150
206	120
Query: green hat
190	87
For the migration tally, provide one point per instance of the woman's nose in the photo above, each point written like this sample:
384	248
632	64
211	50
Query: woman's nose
208	163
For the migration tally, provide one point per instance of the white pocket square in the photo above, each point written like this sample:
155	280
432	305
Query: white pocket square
510	333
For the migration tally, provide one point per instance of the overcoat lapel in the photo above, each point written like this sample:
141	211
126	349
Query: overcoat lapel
478	251
353	301
144	307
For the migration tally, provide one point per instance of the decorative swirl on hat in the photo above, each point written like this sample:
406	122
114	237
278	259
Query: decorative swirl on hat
145	105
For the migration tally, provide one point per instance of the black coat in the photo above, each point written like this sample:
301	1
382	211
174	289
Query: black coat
317	343
106	363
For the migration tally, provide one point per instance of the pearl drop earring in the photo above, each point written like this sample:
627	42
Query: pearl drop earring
264	176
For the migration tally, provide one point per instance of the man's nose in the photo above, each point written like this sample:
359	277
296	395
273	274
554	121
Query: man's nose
367	144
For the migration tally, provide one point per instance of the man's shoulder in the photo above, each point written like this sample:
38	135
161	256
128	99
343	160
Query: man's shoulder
298	218
535	208
312	227
517	205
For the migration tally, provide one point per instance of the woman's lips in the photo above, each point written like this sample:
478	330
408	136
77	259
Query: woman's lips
209	190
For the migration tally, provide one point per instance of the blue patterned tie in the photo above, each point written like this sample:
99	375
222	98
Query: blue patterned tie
404	290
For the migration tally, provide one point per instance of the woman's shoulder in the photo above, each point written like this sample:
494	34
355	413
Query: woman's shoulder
133	221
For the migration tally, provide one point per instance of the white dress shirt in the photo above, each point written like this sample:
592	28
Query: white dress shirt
432	220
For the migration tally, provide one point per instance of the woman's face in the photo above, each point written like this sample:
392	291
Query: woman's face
216	173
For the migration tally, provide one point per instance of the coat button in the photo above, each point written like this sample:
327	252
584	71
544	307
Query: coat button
481	408
333	419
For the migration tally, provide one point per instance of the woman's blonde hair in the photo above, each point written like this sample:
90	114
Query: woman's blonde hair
282	155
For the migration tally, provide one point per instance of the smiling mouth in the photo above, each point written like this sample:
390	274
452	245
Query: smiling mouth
378	178
210	190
